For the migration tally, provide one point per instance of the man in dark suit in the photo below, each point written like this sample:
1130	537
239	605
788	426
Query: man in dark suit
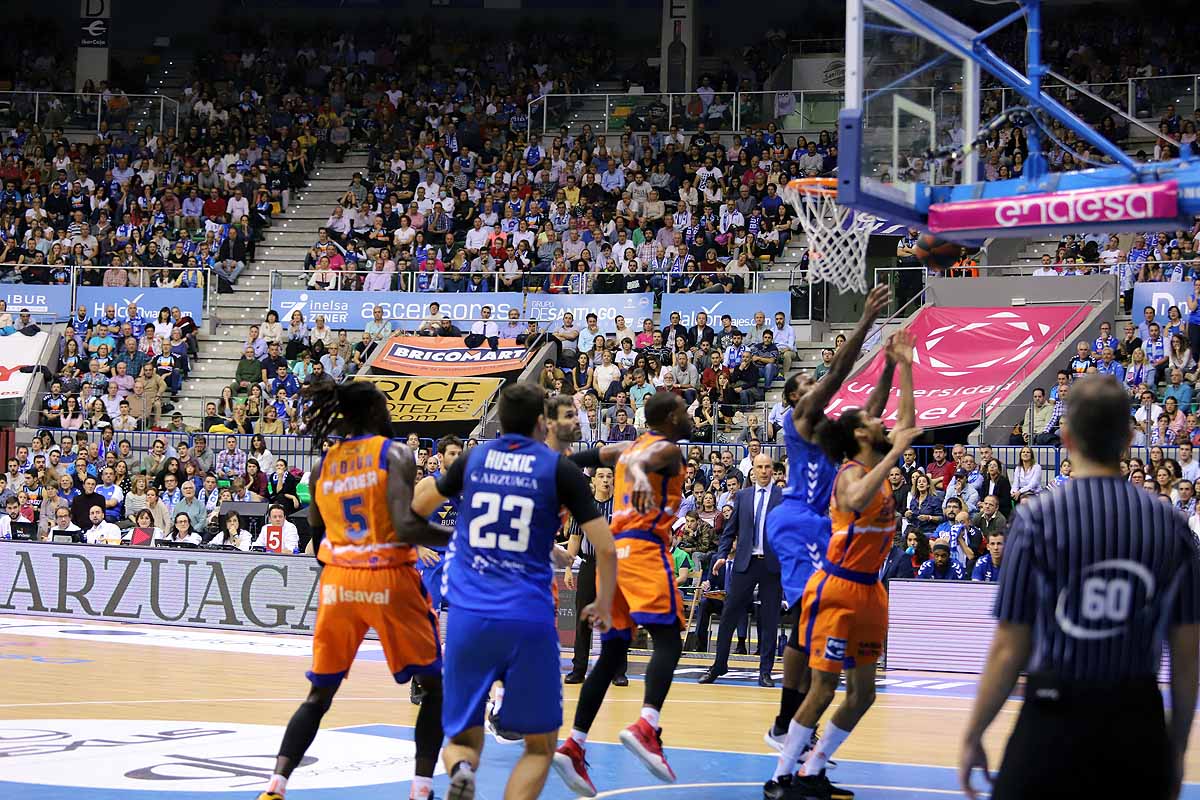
754	565
700	332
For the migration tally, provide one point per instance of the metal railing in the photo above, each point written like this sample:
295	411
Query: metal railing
88	110
401	276
1055	339
574	283
633	112
811	109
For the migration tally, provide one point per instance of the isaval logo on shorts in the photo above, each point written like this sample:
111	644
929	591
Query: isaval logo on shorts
340	594
835	649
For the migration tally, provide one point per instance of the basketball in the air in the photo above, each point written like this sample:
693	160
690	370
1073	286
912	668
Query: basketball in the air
934	252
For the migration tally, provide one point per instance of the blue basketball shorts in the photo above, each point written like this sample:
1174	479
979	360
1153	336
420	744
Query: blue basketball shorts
431	576
524	655
800	538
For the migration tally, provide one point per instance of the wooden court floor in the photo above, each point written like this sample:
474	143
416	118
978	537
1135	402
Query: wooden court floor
127	710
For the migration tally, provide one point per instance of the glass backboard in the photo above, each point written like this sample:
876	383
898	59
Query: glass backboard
907	87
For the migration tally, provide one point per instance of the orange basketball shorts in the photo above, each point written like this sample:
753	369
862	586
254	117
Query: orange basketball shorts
646	592
842	623
394	602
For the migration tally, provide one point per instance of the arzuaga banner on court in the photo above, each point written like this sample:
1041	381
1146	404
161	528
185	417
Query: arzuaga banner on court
435	399
447	356
199	588
203	588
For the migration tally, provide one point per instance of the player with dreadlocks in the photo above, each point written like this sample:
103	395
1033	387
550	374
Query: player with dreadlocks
364	533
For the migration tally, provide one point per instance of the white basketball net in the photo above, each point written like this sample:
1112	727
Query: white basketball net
837	238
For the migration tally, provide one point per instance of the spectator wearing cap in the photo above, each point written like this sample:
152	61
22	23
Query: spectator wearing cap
940	567
447	327
961	489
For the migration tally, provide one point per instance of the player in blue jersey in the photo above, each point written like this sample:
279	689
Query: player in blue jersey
501	622
431	560
799	528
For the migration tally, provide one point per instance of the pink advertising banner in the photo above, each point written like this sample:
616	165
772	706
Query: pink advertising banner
963	356
1108	205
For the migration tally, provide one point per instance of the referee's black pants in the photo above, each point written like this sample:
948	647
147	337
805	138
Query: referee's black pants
585	592
1094	741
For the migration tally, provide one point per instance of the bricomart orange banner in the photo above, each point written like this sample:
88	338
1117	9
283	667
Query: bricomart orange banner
435	399
447	355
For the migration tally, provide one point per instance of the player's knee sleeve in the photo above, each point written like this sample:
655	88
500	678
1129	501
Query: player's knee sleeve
661	670
303	727
666	639
612	662
613	653
427	733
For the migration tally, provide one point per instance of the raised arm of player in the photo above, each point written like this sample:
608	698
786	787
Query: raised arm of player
877	402
411	528
900	348
809	410
856	486
663	457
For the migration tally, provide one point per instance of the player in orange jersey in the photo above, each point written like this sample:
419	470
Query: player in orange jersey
649	484
843	614
364	532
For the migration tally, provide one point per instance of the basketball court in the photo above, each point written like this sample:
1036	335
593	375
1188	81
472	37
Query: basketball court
127	711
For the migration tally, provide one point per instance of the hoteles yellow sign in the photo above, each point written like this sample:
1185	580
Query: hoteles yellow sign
435	399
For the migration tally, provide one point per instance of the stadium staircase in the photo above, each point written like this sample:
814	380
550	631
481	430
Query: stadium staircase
284	247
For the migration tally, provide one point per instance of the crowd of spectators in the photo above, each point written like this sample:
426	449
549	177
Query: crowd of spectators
452	203
1157	365
105	489
140	207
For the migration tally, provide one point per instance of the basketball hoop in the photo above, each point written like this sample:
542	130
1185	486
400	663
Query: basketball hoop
837	235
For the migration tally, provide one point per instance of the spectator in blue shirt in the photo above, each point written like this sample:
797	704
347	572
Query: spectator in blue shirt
285	380
1182	392
1108	364
940	567
974	474
961	490
987	568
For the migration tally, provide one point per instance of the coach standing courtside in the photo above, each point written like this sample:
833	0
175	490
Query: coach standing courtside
754	564
1094	574
585	583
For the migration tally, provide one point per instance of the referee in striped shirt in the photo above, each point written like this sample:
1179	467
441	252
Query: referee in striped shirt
585	588
1096	573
